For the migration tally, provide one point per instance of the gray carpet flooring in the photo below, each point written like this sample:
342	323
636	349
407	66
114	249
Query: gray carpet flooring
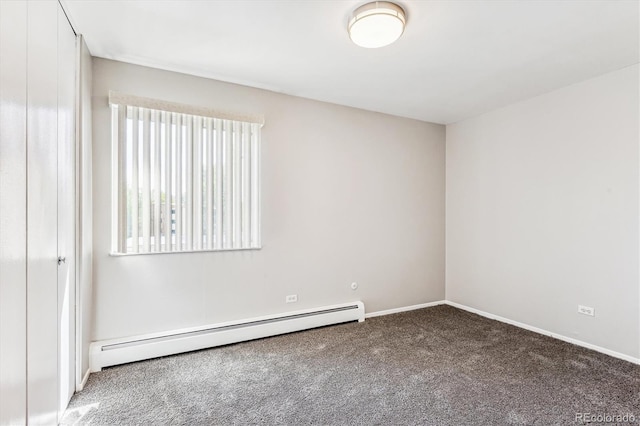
433	366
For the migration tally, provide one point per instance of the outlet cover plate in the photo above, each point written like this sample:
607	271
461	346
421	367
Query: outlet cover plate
586	310
292	298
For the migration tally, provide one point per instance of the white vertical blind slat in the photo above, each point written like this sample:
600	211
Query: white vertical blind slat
227	221
178	186
115	183
209	184
146	180
188	177
197	183
135	187
166	120
121	187
255	186
245	183
218	183
156	180
237	168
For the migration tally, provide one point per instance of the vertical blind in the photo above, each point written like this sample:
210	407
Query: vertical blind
183	182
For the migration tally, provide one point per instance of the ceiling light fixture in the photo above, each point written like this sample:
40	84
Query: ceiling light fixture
376	24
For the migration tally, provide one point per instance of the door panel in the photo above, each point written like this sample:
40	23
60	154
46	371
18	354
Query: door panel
42	222
13	226
66	208
37	212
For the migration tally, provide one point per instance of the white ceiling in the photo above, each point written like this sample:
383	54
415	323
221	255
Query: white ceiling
455	60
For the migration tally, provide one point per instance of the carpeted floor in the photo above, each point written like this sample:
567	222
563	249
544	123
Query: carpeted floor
434	366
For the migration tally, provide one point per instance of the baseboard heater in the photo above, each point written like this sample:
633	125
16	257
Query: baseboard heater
106	353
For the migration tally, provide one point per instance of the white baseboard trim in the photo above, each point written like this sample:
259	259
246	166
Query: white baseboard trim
546	333
404	309
82	384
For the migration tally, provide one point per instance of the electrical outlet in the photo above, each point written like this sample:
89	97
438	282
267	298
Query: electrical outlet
292	298
586	310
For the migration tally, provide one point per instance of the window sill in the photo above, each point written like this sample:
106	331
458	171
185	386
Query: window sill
115	254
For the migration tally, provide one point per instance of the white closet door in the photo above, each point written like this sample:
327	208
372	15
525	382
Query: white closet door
37	212
66	209
42	205
13	190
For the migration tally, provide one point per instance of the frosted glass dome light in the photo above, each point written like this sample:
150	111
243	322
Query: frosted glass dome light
376	24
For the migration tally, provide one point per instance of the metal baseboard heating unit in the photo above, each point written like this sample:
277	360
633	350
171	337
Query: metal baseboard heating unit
106	353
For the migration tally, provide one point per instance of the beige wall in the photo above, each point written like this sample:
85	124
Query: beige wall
542	211
348	195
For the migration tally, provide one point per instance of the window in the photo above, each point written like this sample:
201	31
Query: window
184	178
